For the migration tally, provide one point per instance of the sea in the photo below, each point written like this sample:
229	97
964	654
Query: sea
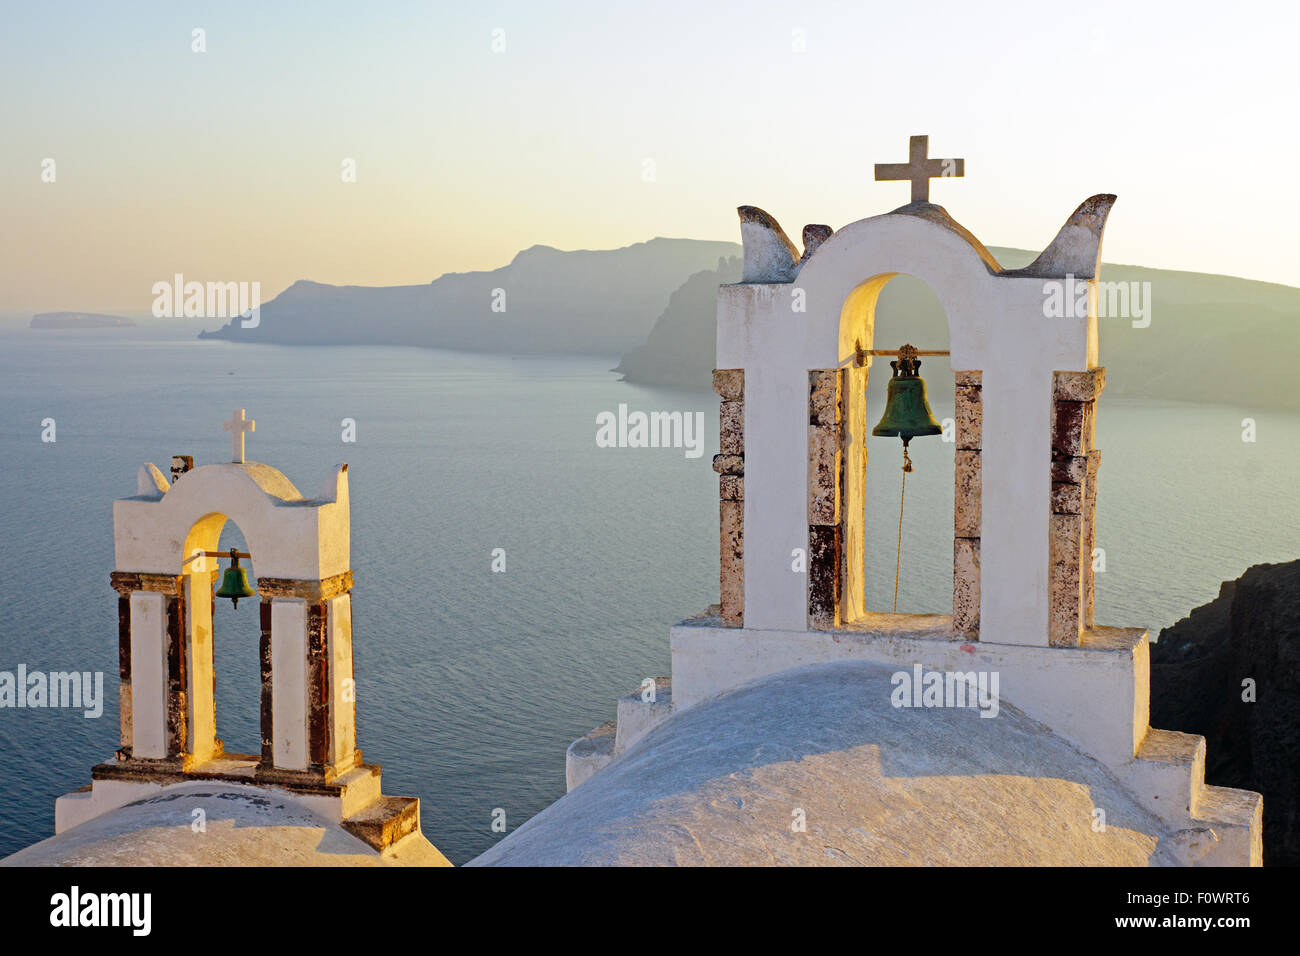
471	682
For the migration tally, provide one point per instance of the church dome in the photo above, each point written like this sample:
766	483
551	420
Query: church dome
728	782
241	826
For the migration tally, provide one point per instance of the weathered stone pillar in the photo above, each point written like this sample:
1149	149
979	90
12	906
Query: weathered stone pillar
967	492
178	676
1073	503
308	699
1090	535
264	659
730	466
124	672
152	624
824	532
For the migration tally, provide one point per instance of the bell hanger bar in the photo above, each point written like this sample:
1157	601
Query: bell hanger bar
860	354
900	352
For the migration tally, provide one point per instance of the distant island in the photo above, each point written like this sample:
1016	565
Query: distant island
79	320
1205	338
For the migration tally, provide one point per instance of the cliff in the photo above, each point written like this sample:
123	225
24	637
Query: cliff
1250	631
680	345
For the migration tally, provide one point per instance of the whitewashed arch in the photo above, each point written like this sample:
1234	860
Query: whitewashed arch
300	562
288	535
808	319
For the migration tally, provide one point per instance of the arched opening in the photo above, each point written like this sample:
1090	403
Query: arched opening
908	311
224	660
886	312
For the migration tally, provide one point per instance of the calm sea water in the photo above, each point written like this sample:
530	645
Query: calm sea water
472	683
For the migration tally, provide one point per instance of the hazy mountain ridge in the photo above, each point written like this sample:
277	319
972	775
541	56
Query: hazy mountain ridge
1211	338
595	302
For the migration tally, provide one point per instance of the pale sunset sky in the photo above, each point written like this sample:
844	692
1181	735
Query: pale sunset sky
225	165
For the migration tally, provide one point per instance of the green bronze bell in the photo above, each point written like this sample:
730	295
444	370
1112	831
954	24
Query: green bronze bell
907	411
235	584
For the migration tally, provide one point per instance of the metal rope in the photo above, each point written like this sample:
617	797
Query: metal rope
907	466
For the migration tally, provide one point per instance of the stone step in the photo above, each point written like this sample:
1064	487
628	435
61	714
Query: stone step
385	821
589	754
1168	774
637	716
359	788
1216	826
1236	819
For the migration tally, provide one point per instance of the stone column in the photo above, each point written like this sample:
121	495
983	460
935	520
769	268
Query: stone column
178	676
201	720
1090	533
967	490
308	703
1074	474
824	532
124	672
730	466
342	738
151	624
264	660
854	429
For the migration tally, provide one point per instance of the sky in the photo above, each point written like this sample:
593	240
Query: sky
481	129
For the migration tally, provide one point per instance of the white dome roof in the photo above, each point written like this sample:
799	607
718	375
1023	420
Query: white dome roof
244	826
720	784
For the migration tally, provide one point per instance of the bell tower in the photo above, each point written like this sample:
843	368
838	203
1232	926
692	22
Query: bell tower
795	344
165	544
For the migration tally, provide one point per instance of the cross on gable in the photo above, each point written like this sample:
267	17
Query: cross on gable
238	426
919	169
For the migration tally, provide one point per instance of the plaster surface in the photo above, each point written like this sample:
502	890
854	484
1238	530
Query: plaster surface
1095	695
242	826
158	530
721	783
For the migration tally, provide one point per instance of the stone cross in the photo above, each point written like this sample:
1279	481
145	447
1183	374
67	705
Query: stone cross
237	426
919	169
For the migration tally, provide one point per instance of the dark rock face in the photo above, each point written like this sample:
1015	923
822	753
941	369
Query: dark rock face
1252	630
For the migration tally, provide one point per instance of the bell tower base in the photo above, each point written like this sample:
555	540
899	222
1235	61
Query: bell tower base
353	799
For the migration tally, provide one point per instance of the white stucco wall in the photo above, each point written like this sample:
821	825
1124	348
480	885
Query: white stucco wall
289	683
289	536
148	674
996	325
